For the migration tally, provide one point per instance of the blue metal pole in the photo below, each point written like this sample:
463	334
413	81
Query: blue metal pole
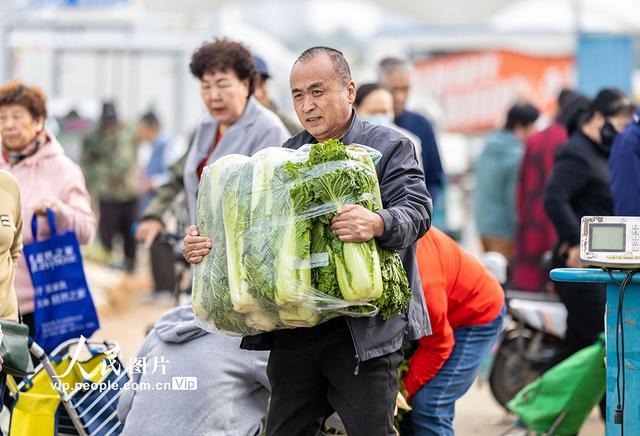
631	325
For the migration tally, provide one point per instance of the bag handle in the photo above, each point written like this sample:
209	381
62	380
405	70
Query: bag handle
51	217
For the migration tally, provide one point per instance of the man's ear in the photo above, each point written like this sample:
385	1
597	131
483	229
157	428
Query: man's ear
351	91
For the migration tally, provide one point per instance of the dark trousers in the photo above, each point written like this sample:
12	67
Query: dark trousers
118	217
311	371
162	267
585	303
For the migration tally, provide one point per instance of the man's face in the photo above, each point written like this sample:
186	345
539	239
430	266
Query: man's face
322	103
399	82
144	132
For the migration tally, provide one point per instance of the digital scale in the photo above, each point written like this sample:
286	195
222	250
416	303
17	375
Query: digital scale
613	244
610	242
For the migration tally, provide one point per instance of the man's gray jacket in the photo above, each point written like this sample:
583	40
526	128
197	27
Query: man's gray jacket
407	216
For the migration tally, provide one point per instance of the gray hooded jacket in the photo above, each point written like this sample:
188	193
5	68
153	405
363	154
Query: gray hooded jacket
407	216
232	392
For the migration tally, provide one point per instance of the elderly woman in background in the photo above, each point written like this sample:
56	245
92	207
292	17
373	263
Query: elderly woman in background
47	177
235	123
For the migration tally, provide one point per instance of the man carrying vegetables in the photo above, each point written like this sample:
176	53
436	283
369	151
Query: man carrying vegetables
347	364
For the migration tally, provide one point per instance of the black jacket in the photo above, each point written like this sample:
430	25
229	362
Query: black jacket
407	216
579	186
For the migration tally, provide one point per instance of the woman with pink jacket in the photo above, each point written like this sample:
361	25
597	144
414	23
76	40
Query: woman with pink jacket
47	178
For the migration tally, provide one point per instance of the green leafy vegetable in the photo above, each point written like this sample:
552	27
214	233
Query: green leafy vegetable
275	261
236	201
211	297
332	176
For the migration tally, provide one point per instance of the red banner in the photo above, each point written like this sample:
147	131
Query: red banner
475	90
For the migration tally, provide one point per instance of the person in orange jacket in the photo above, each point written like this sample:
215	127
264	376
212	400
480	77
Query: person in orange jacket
466	308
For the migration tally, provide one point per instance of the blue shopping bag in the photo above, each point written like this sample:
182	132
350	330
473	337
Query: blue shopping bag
64	308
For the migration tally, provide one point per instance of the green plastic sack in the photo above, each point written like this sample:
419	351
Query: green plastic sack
565	394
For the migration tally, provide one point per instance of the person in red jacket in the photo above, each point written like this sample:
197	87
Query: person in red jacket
466	308
535	233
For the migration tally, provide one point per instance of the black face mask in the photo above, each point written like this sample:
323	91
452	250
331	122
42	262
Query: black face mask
608	134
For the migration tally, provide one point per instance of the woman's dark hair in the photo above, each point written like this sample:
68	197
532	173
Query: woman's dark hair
610	102
571	108
521	114
223	54
31	98
364	90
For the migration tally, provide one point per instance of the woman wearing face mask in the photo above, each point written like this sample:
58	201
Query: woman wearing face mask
579	186
47	178
374	103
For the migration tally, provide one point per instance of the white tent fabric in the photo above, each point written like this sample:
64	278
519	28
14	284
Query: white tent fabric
561	16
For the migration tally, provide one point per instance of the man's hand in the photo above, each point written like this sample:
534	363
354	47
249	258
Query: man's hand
52	203
148	231
573	257
354	223
195	247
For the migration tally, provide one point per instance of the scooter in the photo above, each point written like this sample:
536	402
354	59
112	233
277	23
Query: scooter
534	330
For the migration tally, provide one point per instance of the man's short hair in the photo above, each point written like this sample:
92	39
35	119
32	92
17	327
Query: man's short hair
340	64
151	120
521	114
389	65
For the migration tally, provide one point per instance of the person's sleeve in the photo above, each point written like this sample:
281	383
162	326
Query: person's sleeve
433	351
434	174
75	212
86	163
406	201
510	187
521	187
274	136
128	393
569	176
166	193
625	173
16	246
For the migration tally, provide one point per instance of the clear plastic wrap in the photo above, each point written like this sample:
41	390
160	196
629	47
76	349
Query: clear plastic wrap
275	263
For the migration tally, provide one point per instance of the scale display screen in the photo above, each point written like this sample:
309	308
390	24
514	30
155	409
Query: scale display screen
610	241
607	237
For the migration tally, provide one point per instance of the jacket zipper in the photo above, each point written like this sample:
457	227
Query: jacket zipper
355	346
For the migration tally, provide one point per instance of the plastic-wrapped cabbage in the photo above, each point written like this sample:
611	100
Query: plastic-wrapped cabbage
275	263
